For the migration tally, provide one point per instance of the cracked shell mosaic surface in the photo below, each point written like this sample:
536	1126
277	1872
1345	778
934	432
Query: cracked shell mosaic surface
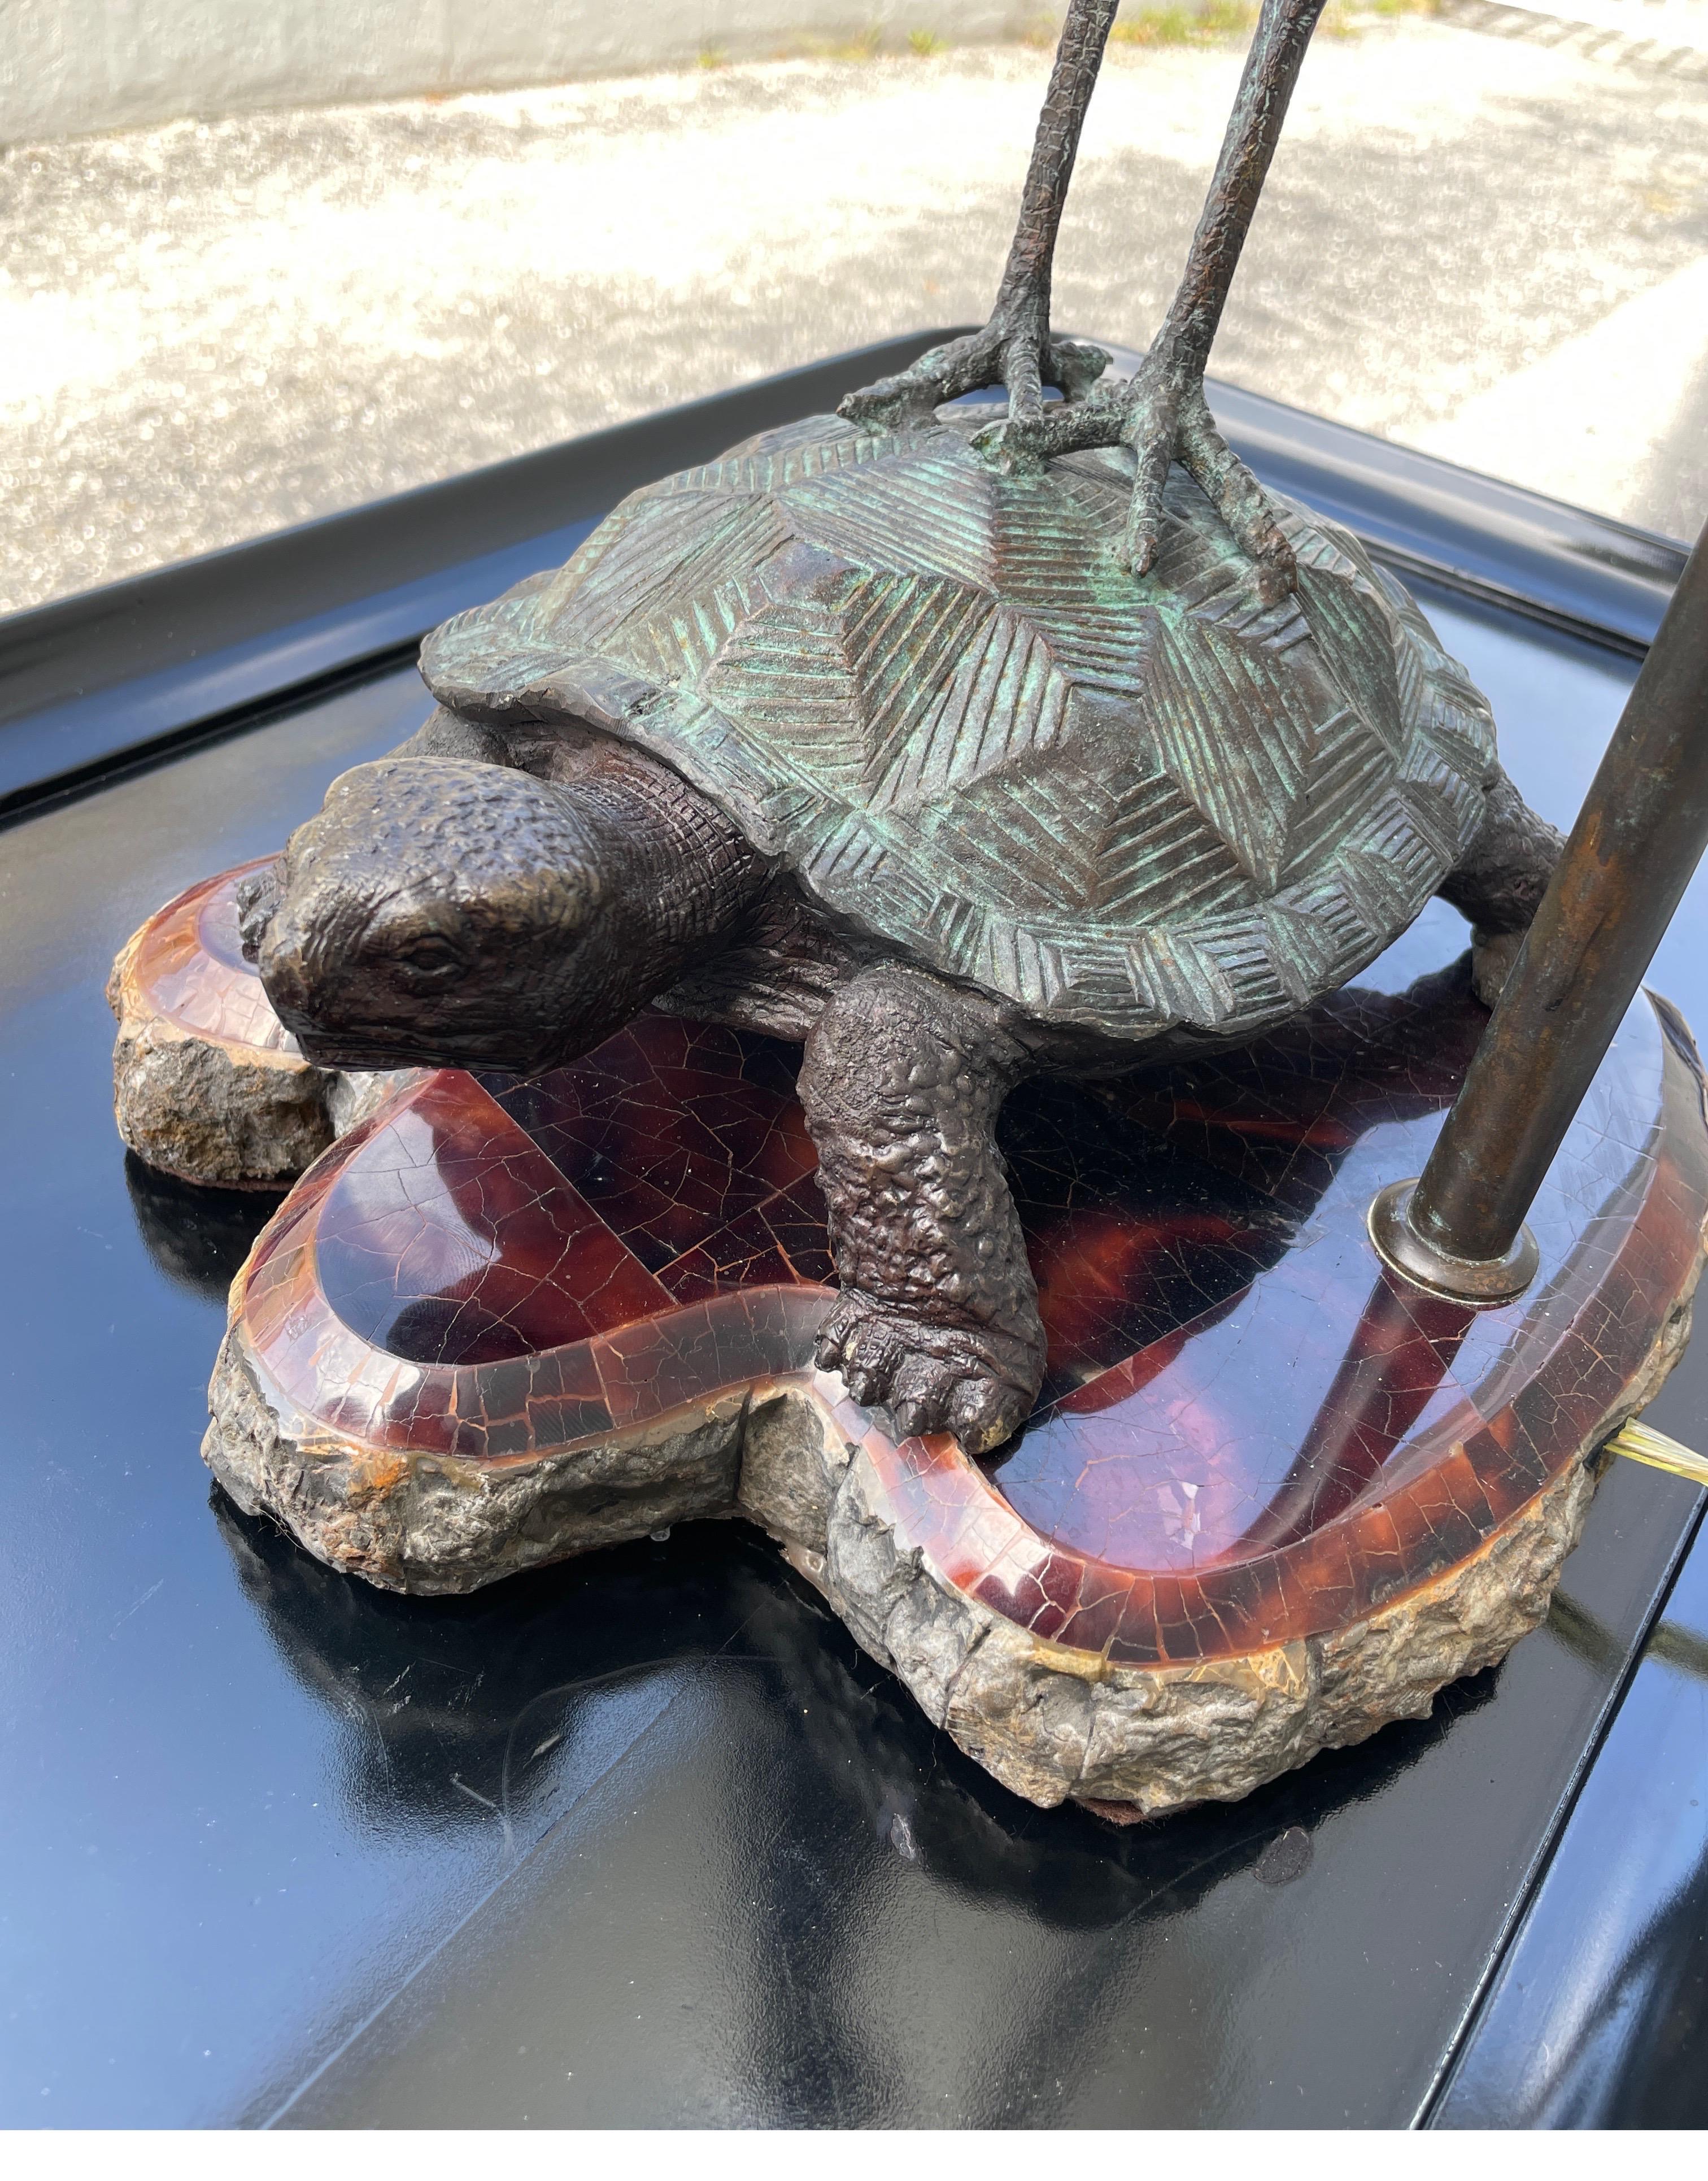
1249	1433
188	965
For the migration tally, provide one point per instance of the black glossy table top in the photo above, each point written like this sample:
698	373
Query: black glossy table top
644	1838
1594	2019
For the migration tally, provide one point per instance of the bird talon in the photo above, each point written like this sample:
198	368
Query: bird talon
1007	449
1076	367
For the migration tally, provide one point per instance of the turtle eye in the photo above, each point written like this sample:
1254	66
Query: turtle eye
431	955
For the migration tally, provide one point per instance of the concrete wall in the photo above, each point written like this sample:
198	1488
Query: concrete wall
74	67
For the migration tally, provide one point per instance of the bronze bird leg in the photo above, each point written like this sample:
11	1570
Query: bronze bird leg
1160	411
1015	350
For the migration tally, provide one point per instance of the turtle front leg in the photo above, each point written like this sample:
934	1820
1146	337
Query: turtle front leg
1015	350
938	1317
1499	884
1160	413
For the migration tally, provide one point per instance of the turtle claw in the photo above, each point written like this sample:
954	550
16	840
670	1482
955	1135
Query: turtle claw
931	1378
872	1355
919	1397
984	1412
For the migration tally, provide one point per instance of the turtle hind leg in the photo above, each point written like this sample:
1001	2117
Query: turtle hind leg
938	1320
1499	881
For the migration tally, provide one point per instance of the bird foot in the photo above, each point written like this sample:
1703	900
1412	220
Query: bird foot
1013	351
973	1381
1161	414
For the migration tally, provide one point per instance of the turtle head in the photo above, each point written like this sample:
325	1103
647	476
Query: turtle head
443	912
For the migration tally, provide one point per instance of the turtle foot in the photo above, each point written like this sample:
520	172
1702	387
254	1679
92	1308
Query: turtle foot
1493	955
973	1381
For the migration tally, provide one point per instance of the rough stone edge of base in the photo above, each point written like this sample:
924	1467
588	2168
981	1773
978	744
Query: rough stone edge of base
1050	1723
1054	1724
225	1116
219	1115
439	1524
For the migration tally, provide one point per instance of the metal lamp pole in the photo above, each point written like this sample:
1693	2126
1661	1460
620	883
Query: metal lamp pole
1459	1229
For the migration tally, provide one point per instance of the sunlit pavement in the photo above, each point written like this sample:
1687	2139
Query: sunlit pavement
1490	247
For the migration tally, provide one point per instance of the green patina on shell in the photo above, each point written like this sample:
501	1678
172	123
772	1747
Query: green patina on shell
931	689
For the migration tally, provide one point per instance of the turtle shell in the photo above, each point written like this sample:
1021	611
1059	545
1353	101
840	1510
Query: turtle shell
930	688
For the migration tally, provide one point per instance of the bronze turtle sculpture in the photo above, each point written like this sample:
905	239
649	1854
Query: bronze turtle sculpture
857	739
956	754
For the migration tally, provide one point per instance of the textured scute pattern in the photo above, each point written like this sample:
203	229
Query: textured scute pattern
932	690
